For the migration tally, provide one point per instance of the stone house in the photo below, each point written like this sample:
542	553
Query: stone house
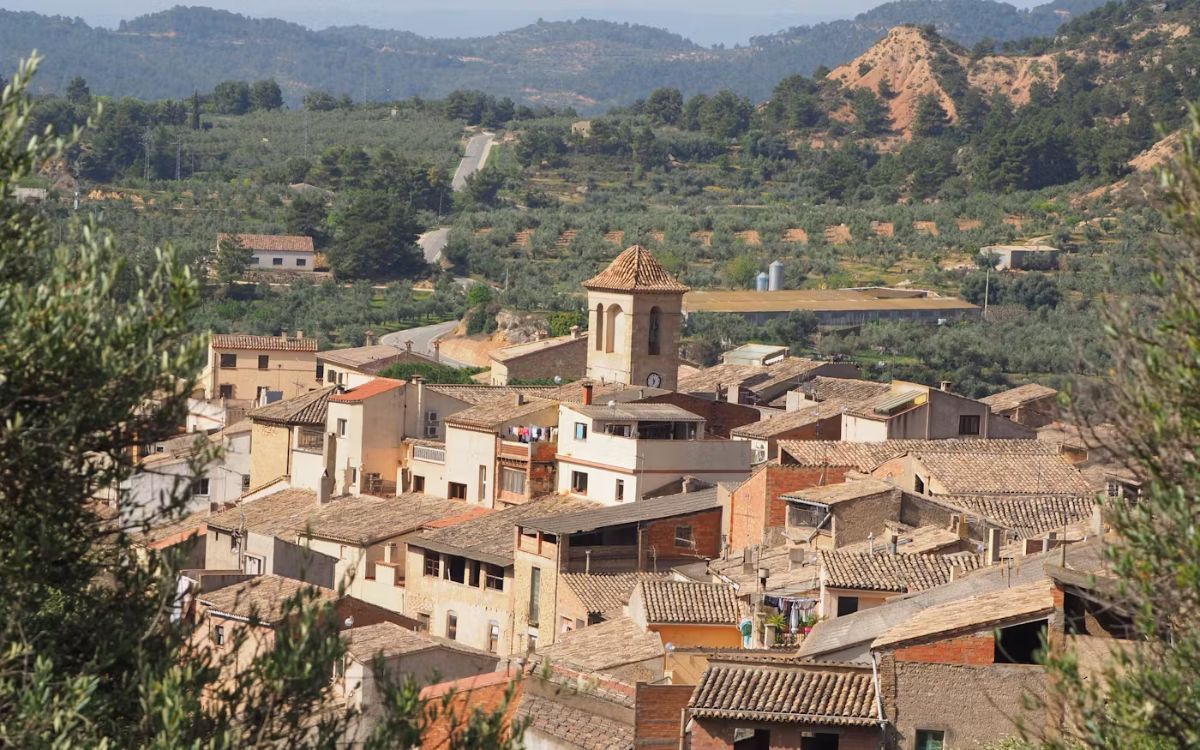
259	369
853	581
911	411
767	703
259	538
685	613
168	468
288	441
815	421
461	580
276	252
357	365
365	428
563	357
760	384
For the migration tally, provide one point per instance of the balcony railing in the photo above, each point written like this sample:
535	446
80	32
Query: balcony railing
429	453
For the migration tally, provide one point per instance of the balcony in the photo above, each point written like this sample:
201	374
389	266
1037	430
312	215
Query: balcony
429	453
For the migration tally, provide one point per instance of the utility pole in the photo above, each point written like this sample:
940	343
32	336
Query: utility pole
146	141
987	285
178	157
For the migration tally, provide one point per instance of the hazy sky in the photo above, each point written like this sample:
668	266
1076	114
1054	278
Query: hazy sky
704	21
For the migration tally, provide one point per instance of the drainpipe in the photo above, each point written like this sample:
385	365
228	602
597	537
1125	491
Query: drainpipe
878	699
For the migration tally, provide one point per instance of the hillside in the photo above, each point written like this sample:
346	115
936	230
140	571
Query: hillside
586	64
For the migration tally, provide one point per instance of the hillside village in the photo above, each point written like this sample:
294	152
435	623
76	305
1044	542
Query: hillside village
770	552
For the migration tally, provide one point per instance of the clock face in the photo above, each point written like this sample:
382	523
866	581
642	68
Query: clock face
654	380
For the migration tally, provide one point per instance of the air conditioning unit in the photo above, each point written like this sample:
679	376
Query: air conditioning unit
431	431
431	417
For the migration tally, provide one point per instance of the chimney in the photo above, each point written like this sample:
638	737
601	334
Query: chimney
993	546
587	394
408	346
574	332
954	571
893	543
518	399
688	485
945	385
299	333
437	350
284	335
370	337
964	528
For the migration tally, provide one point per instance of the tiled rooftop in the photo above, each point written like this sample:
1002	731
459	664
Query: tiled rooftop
574	726
779	424
262	598
822	388
785	693
387	639
883	571
306	409
365	520
1014	398
604	647
516	351
984	474
605	594
866	456
668	601
635	270
361	393
369	358
1028	516
482	394
637	411
262	343
832	494
973	613
268	242
274	514
492	414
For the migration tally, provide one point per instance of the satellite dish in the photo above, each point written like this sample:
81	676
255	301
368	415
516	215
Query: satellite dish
348	622
612	404
557	379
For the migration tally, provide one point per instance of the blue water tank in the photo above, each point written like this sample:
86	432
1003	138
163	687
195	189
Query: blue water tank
760	281
775	282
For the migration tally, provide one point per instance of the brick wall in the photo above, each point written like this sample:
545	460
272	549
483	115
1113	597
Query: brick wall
855	519
706	531
568	361
974	704
658	713
717	734
979	648
756	505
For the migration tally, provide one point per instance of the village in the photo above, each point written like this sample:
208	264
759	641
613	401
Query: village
770	552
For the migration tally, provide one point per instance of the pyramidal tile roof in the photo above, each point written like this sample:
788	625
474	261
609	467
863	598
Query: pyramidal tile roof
635	270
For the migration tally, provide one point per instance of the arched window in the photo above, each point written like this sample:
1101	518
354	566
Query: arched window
654	333
599	328
613	313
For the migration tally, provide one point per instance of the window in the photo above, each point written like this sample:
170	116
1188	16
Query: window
654	334
535	594
310	439
254	260
847	605
245	483
424	618
918	485
531	641
219	635
473	574
433	564
483	488
339	668
277	261
493	577
418	483
1019	644
301	262
264	362
341	552
579	482
512	480
745	738
201	487
229	361
331	375
320	371
255	565
930	739
225	390
968	424
456	490
599	328
451	625
566	625
580	431
493	636
684	537
619	493
341	428
455	569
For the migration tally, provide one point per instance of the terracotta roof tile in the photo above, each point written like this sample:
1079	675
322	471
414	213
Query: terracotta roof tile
482	394
515	351
262	597
364	520
574	726
992	474
972	614
306	409
604	647
268	242
1015	398
635	270
866	456
492	414
883	571
270	515
262	343
669	601
387	639
822	388
1028	516
371	359
365	391
605	594
789	420
785	693
832	494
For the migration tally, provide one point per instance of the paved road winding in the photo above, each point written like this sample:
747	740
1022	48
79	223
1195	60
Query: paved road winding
473	160
423	339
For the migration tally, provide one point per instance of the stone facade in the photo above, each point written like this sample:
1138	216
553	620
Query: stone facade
566	359
758	513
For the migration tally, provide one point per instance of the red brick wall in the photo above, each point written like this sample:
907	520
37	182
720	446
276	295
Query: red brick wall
706	531
757	504
715	734
657	714
972	649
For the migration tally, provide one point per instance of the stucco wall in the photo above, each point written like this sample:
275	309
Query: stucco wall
269	453
292	373
475	607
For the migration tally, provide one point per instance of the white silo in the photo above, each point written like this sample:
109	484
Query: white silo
761	281
775	282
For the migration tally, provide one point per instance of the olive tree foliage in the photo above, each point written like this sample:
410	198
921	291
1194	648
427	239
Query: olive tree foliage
1150	696
89	654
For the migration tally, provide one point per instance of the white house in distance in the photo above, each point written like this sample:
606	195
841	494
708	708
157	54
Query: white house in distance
276	252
